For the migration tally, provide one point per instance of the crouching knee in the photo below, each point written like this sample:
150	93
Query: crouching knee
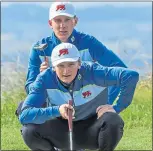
29	134
111	131
113	120
115	125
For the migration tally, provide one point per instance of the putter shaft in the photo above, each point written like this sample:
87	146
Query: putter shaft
71	140
70	124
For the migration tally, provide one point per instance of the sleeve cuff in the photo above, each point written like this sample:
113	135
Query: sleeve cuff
116	109
54	111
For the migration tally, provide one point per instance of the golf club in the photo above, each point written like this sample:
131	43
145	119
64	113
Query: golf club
70	112
41	48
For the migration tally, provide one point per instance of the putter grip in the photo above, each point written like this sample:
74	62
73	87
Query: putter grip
70	116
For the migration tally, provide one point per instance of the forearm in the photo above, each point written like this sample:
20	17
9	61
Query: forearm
128	85
34	63
112	61
115	61
113	92
121	78
38	115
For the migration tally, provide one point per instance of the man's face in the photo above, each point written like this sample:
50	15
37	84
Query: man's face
67	71
63	26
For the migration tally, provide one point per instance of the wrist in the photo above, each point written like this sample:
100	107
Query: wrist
55	111
116	109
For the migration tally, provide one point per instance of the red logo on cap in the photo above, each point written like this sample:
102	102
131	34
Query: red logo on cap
63	52
60	7
86	94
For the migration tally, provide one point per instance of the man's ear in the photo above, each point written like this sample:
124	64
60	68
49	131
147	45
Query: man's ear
75	20
50	23
79	62
53	68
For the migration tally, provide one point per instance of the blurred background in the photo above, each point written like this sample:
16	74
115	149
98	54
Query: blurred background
123	27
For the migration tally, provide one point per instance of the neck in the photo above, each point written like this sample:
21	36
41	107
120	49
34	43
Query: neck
60	39
66	85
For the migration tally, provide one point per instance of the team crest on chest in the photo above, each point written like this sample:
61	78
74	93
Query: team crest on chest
86	94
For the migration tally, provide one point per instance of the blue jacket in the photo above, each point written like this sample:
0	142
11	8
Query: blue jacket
90	49
88	92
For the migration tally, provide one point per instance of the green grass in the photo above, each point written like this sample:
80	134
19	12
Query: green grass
138	138
137	118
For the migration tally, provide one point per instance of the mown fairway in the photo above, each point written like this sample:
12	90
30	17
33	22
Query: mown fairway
138	120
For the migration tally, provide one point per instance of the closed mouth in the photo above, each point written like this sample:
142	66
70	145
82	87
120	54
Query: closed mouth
63	32
66	76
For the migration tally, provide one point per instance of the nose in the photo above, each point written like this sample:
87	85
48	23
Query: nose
65	71
62	25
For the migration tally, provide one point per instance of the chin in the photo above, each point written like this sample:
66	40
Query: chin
63	38
67	82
